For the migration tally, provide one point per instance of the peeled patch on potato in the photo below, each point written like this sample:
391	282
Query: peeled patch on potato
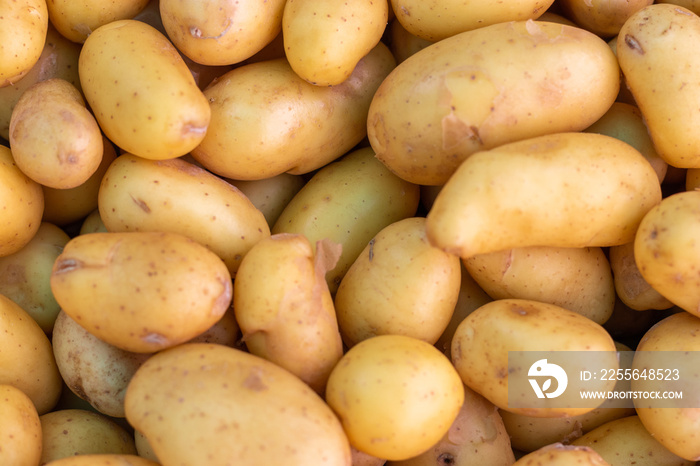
110	283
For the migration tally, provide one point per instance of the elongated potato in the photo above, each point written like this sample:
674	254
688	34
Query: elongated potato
283	306
399	284
485	88
545	191
246	409
357	184
483	343
110	283
578	279
137	194
266	120
141	91
651	45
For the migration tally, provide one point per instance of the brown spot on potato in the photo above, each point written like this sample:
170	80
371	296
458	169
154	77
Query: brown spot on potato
254	382
141	204
633	43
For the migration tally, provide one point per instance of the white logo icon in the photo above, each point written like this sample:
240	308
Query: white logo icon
542	368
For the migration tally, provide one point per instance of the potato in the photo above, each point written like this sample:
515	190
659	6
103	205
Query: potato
692	5
210	404
348	201
284	308
143	447
674	424
220	32
94	370
477	436
109	283
54	138
487	87
483	343
66	206
625	122
402	43
437	20
58	59
22	203
141	91
271	195
138	194
558	454
77	20
23	27
104	459
266	120
70	432
324	41
578	279
630	286
399	284
529	433
25	275
531	193
666	251
650	46
396	396
92	224
626	441
20	428
26	357
603	18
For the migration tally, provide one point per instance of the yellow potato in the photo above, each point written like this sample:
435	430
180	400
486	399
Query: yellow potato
23	27
141	92
483	341
545	191
436	20
675	426
76	20
666	249
26	357
625	122
55	140
66	206
110	284
25	275
137	194
271	195
477	436
221	32
20	428
402	43
104	459
626	439
602	17
692	5
396	396
324	41
399	284
284	308
58	59
348	201
210	404
22	203
487	87
660	69
69	432
92	224
630	286
558	454
266	120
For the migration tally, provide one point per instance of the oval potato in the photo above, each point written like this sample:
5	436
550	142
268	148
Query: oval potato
487	87
76	20
545	191
20	428
141	92
23	29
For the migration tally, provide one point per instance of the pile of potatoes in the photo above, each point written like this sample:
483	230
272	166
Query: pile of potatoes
309	233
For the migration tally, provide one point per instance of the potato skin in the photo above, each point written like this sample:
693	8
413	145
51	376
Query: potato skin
487	87
141	91
23	27
530	193
20	428
558	454
231	392
651	45
109	282
75	20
